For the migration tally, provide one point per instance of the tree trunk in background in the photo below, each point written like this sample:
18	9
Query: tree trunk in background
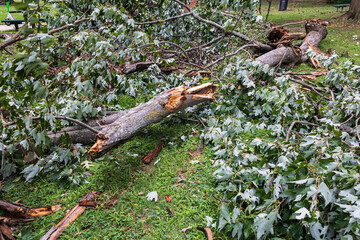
283	5
354	11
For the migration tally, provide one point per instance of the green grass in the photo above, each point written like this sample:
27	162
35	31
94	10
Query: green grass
120	176
340	37
13	7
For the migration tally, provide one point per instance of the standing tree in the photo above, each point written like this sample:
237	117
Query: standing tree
354	10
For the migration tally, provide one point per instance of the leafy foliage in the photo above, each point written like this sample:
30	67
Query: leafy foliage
275	182
307	185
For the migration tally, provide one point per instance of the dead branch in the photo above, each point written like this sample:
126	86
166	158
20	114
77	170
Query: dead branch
207	232
152	154
184	231
21	211
76	211
18	213
229	55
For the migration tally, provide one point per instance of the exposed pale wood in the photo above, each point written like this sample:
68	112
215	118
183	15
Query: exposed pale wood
153	111
22	211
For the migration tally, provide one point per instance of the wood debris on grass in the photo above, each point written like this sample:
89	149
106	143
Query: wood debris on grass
18	213
153	154
87	201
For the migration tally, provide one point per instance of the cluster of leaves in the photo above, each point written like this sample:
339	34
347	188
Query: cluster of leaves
77	72
307	184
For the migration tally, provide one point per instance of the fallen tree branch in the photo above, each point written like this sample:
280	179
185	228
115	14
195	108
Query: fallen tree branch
148	113
77	210
316	32
18	213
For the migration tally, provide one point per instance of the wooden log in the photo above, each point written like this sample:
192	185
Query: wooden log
289	56
153	111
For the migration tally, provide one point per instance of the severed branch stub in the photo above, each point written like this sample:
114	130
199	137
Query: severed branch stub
153	111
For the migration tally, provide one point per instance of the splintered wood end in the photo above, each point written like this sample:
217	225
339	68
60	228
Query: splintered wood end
101	140
42	211
179	95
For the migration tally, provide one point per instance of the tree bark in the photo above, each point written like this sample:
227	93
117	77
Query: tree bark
119	127
354	10
289	56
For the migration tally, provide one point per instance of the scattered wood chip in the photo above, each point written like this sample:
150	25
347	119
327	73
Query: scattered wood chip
169	211
140	193
6	231
168	198
55	231
152	154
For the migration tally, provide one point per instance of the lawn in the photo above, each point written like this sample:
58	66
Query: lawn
342	39
13	7
183	169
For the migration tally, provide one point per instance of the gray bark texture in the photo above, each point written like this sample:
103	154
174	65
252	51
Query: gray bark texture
119	127
354	10
289	56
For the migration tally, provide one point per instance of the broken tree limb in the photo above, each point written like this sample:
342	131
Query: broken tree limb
153	154
118	127
18	213
18	210
153	111
289	56
55	231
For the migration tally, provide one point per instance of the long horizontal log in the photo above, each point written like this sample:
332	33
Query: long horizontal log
153	111
119	127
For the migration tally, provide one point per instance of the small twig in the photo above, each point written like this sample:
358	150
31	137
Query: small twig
222	28
229	55
163	20
293	124
315	89
166	42
5	124
357	129
352	115
184	231
8	51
